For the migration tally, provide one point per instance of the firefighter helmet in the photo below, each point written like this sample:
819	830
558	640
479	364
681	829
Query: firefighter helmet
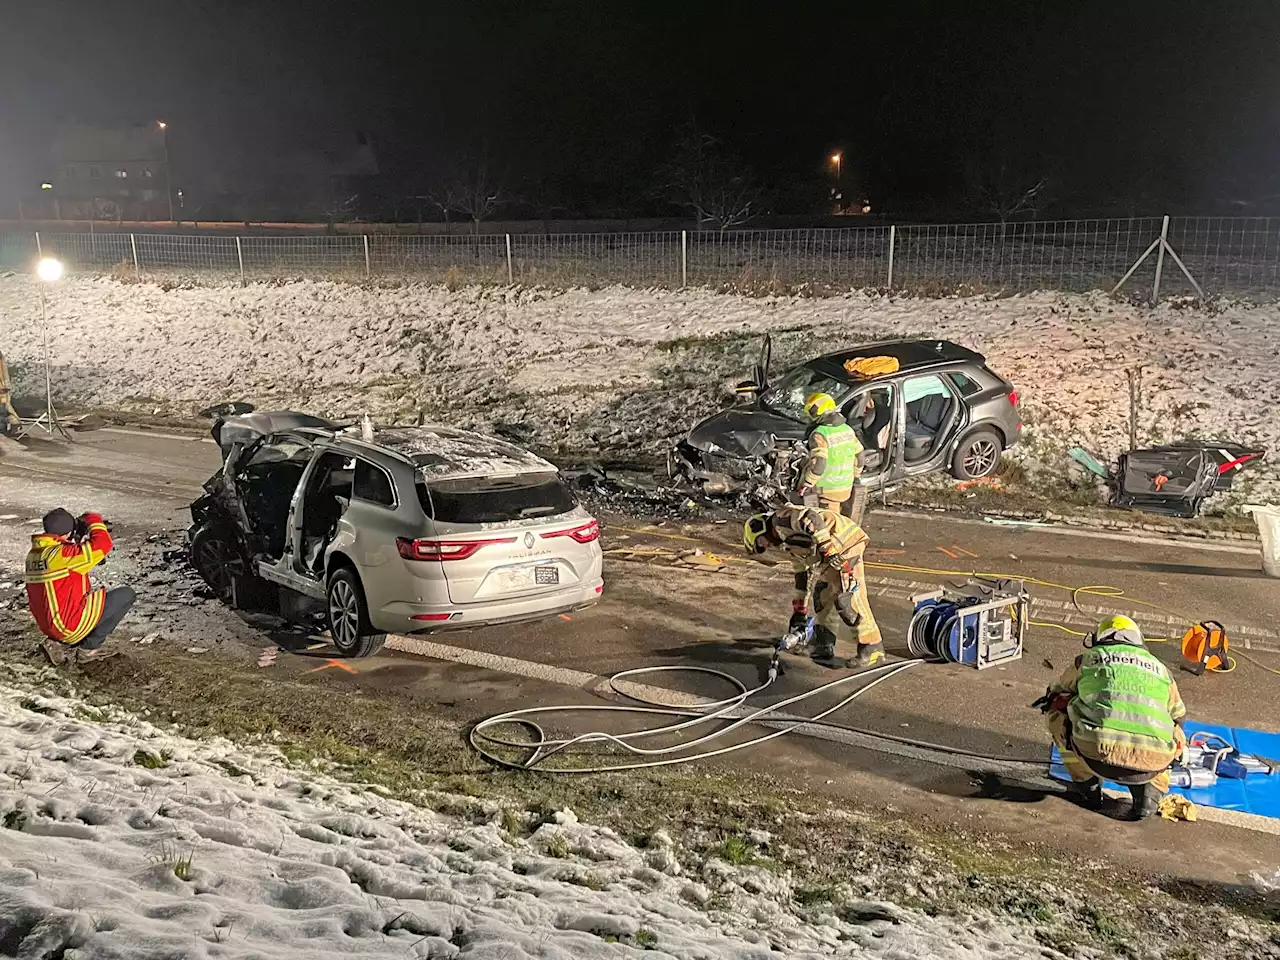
818	405
755	533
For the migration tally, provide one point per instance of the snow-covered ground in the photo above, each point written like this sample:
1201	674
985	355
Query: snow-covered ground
119	839
625	370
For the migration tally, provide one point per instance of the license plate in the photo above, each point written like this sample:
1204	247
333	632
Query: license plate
546	576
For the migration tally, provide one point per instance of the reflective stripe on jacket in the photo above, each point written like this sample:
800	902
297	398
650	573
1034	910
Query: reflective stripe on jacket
65	607
1124	707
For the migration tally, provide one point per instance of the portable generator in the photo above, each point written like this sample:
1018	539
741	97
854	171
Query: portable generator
980	623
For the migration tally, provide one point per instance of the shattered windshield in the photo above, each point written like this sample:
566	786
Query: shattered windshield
787	396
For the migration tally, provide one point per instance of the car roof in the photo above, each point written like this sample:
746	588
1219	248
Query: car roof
910	354
446	453
437	452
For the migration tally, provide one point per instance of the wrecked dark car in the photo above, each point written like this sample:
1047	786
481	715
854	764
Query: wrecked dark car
395	530
942	409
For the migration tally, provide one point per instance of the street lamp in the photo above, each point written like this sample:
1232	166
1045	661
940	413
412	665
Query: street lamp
49	271
835	158
168	174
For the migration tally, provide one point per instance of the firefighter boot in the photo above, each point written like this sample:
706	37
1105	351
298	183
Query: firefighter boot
1146	801
870	654
824	646
1090	793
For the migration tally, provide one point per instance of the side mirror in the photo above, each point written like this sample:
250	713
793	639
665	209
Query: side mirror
746	391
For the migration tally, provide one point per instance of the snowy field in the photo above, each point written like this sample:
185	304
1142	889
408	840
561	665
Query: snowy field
122	840
623	371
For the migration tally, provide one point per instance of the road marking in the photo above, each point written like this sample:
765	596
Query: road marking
331	664
150	433
953	556
964	551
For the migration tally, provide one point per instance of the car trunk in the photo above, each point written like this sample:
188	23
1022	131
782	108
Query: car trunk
509	537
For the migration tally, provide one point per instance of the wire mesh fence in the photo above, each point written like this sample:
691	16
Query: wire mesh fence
1233	257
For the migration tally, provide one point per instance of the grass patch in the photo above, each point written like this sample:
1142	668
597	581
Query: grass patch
30	703
738	851
555	845
812	896
646	939
152	761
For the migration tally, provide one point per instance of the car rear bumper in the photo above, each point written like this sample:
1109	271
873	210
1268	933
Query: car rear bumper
405	617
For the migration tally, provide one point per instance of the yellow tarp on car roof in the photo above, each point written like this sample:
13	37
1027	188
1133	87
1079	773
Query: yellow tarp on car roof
865	368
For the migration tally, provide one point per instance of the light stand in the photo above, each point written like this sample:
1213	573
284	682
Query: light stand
48	270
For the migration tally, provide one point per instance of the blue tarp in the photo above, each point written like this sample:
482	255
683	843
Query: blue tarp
1258	793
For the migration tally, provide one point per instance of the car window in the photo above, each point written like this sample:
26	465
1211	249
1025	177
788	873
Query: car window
964	384
918	388
280	450
373	485
787	396
496	499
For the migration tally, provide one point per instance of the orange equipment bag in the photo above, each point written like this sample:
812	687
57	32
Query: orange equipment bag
1205	647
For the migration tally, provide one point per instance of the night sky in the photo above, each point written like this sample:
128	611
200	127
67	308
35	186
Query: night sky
1155	107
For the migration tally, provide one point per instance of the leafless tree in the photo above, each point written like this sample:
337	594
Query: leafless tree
704	177
1007	187
469	189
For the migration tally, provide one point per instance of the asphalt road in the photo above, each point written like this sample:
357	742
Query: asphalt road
654	613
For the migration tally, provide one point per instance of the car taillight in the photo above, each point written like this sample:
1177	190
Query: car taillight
443	549
1013	397
583	534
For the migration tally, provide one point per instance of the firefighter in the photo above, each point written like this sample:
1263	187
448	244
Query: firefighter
831	466
826	553
70	613
1116	714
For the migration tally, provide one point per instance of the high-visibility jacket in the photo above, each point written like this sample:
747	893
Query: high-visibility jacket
1124	707
66	608
832	464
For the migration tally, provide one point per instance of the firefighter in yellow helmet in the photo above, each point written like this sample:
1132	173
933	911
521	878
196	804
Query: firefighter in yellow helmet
831	468
1116	714
826	556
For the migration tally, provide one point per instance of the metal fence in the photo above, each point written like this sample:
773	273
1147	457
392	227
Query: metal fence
1152	256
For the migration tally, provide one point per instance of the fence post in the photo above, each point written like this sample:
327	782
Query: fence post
510	274
367	271
1164	242
684	259
240	260
39	249
893	236
133	245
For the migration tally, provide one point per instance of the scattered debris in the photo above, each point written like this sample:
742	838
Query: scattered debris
268	656
197	649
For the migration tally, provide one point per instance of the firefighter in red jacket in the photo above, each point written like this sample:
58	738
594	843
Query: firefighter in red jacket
67	610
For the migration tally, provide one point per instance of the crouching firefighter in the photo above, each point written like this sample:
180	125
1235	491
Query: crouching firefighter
1116	714
67	610
826	554
831	466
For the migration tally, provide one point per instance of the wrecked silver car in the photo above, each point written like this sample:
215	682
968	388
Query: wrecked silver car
943	409
405	529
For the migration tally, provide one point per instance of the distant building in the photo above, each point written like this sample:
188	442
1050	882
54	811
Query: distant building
110	173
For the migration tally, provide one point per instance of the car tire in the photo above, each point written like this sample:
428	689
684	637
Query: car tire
212	553
977	455
348	615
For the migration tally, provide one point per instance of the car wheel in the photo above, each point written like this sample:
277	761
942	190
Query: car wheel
349	625
213	554
977	455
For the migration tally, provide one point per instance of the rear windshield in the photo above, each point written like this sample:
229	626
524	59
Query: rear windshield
496	499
